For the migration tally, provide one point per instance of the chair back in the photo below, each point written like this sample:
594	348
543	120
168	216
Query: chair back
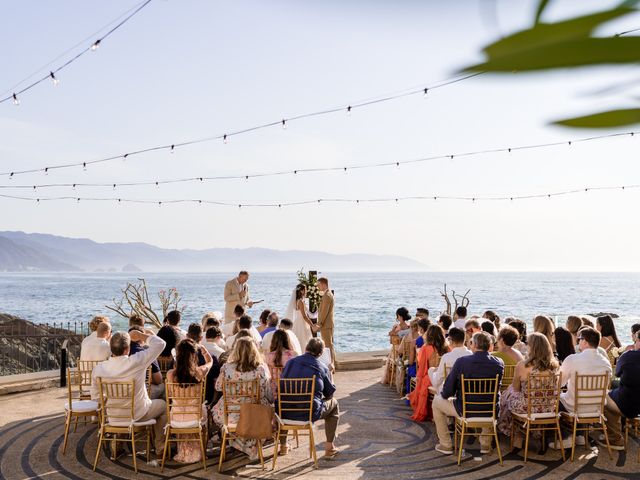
507	377
147	380
447	369
407	347
88	364
590	394
296	395
479	396
395	340
543	394
79	381
275	373
117	402
237	392
187	399
165	364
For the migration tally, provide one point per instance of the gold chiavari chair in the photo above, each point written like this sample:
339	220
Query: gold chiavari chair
543	404
479	397
77	406
165	364
234	394
87	366
507	377
185	400
393	358
590	395
117	403
295	395
631	424
432	389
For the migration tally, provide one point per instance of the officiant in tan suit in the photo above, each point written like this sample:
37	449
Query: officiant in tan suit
236	292
325	317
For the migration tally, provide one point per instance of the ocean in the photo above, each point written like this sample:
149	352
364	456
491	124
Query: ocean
365	302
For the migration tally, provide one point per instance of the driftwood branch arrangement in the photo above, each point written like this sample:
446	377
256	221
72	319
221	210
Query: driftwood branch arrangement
458	300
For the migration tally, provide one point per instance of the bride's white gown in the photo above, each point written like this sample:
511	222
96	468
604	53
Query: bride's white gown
301	328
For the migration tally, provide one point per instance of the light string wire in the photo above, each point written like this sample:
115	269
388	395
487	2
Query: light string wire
469	198
328	169
52	74
282	122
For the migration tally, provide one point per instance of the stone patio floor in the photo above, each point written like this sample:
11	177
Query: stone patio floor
378	440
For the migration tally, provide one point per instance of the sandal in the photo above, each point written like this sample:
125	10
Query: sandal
329	454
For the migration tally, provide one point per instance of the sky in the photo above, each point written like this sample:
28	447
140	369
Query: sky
189	69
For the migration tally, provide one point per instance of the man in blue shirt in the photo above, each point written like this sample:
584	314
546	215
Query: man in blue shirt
272	324
481	364
325	407
624	400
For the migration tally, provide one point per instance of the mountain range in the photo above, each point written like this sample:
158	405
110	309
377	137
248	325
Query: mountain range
21	251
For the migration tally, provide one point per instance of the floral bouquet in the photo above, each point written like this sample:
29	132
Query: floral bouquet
313	294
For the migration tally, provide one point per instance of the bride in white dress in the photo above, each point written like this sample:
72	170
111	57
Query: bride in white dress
297	313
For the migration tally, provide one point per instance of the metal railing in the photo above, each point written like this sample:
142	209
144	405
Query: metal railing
27	347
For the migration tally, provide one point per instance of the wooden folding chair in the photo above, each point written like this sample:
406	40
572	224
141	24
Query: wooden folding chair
543	403
479	397
185	400
117	403
295	395
165	364
234	394
507	377
78	406
590	395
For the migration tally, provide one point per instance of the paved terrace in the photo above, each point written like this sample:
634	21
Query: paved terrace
377	437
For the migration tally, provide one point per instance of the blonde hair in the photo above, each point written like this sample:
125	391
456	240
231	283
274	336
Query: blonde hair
573	324
97	320
544	325
245	355
540	354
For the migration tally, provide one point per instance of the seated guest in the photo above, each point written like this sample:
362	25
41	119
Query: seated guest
624	400
587	322
609	337
489	327
460	317
262	323
449	403
187	371
492	317
211	319
231	328
445	322
521	327
245	323
574	323
214	343
122	367
408	344
287	326
458	349
173	319
194	332
635	328
272	324
423	326
429	355
402	327
564	343
157	385
588	362
280	352
93	327
324	405
507	338
471	327
97	348
422	313
244	363
514	399
170	336
544	325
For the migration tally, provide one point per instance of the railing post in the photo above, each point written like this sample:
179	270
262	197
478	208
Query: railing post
63	364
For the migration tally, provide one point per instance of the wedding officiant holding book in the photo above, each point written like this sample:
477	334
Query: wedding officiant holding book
325	317
236	292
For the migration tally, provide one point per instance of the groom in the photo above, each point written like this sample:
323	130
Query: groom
325	318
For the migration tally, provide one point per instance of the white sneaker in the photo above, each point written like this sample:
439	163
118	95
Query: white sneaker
580	440
444	450
566	443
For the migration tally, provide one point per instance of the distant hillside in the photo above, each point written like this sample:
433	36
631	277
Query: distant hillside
36	251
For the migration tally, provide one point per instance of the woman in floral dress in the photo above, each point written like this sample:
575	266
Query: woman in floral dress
245	363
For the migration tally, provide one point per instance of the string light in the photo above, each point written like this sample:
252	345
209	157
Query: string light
284	124
396	163
54	79
15	99
95	45
472	199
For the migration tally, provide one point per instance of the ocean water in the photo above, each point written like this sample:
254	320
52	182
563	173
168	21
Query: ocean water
365	302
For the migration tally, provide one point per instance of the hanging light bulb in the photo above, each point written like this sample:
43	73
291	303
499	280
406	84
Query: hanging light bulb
224	139
284	124
95	45
54	79
84	166
172	148
11	176
15	100
349	110
424	93
46	171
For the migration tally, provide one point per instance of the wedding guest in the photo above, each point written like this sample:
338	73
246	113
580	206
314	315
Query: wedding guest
573	325
587	362
170	336
402	327
586	321
449	403
521	327
187	371
272	324
231	328
280	352
635	328
609	337
287	326
157	385
422	313
458	349
488	327
93	327
173	318
194	333
97	348
122	367
564	343
544	325
263	323
492	317
423	326
246	323
211	319
244	363
460	317
515	397
624	400
214	343
507	338
429	355
136	320
471	327
445	322
408	344
325	406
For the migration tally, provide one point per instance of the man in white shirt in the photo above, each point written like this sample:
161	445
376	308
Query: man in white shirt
458	349
213	342
97	348
460	317
93	327
122	367
246	323
286	325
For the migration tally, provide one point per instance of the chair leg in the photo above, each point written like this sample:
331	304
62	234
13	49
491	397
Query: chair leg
164	450
148	444
559	439
95	461
312	446
495	436
526	442
297	438
222	447
462	429
260	453
75	425
133	448
203	439
573	437
276	447
606	439
67	424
